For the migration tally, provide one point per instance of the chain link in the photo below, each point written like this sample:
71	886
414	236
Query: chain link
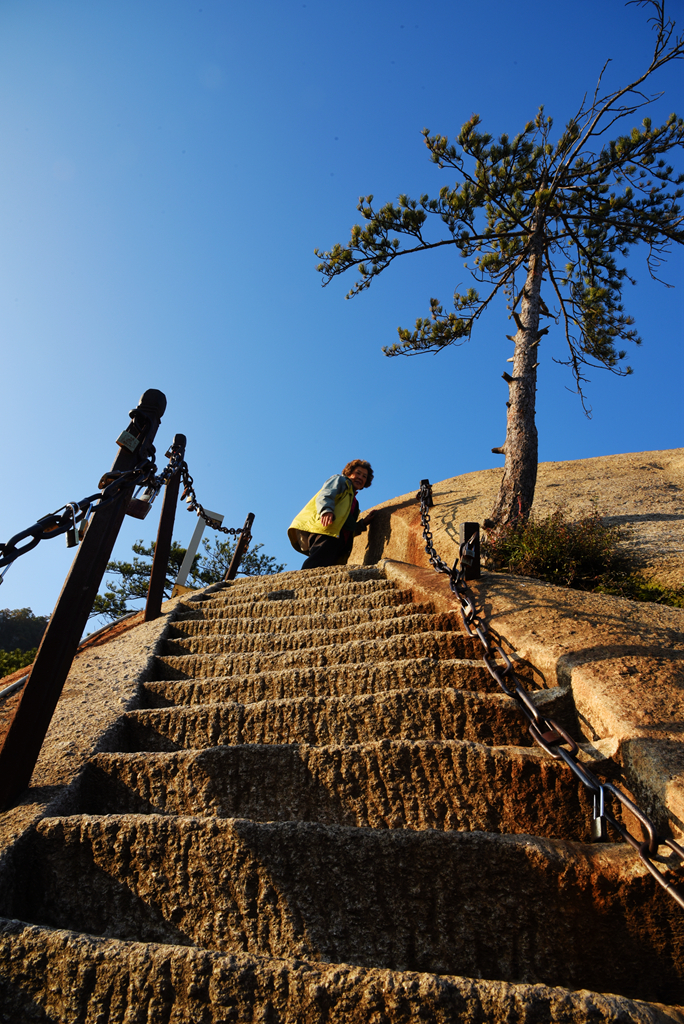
175	457
545	731
69	516
194	506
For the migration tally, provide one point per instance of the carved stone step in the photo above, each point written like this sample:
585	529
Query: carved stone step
388	784
301	587
411	714
277	586
209	641
300	605
340	626
326	794
81	978
311	577
412	645
269	623
177	687
515	908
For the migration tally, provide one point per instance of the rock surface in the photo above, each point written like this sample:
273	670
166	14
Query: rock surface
61	976
303	798
642	492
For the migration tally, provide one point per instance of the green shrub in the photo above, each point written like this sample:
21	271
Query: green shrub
10	661
553	548
582	554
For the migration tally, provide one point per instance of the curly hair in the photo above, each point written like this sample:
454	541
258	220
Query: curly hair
355	464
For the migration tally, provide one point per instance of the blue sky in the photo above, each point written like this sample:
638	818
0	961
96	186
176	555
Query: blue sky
167	170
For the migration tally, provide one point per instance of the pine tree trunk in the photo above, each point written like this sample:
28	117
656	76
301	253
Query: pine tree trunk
516	494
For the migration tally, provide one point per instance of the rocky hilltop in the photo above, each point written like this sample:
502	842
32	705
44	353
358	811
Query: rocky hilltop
642	492
304	798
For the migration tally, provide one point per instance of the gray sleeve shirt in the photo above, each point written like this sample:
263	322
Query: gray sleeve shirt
331	489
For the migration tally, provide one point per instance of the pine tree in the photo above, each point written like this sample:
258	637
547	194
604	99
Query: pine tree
535	217
207	568
20	633
21	629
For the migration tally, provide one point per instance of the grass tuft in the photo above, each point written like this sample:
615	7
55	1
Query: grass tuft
583	554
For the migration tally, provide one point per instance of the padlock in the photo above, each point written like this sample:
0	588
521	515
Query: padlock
72	537
127	440
85	523
599	825
599	830
138	507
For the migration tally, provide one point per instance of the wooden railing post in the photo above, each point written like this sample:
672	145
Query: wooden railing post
240	548
34	712
162	548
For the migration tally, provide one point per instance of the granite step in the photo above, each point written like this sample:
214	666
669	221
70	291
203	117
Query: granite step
292	579
396	784
309	630
418	714
175	684
311	589
299	605
516	908
209	641
198	624
448	645
83	980
324	809
327	574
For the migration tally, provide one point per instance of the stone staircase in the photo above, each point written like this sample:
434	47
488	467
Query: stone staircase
325	810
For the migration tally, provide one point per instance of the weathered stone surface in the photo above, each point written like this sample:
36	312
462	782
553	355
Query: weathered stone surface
643	492
201	637
505	907
357	730
101	686
412	713
623	660
407	645
332	585
199	624
390	784
61	976
186	680
261	608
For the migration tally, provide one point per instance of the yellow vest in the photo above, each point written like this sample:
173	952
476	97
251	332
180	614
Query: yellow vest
310	521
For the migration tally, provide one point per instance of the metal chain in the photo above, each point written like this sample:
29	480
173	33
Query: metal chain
545	731
194	506
76	513
154	484
69	516
175	457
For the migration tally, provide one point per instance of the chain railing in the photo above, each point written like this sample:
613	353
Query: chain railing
175	471
33	714
170	478
73	518
546	732
92	524
193	504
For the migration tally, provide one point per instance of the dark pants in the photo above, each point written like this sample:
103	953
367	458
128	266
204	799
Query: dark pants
324	551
